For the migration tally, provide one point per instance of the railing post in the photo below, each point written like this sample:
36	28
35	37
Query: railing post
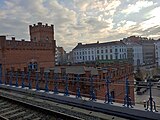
23	77
10	77
55	83
78	91
151	101
66	92
29	80
5	77
16	79
127	98
92	92
108	96
46	81
37	81
0	73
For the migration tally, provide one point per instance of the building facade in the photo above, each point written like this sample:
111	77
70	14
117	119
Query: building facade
99	52
39	52
81	77
142	47
135	54
61	56
157	53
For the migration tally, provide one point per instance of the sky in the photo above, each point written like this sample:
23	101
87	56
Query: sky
85	21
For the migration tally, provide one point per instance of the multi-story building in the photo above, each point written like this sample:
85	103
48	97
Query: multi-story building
116	50
61	56
39	51
142	47
157	52
70	58
135	54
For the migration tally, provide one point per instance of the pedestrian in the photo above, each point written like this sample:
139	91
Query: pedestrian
144	103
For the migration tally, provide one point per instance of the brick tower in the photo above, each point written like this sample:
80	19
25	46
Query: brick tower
34	54
41	33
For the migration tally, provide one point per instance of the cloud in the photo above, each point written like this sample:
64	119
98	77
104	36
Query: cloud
85	21
133	8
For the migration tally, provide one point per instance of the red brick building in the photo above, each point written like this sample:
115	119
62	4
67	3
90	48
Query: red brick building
116	72
40	50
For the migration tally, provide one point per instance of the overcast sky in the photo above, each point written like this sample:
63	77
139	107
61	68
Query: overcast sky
85	21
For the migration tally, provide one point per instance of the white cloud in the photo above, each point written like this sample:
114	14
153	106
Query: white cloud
76	21
133	8
153	21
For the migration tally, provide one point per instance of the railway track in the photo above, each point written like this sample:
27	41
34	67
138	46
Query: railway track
72	111
11	109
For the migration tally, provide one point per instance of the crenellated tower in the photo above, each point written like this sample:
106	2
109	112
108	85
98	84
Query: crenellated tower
41	33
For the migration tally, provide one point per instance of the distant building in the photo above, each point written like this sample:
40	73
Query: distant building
39	52
61	56
157	52
108	51
143	49
135	54
70	58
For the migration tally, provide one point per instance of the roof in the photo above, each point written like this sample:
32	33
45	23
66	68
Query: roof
114	43
76	69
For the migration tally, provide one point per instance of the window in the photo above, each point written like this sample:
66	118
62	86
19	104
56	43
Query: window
88	57
110	50
124	55
92	52
116	57
116	50
102	57
92	57
106	51
106	57
34	39
111	57
47	38
98	51
101	51
88	52
98	57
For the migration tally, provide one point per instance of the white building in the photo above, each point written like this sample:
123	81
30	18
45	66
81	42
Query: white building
99	51
137	50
